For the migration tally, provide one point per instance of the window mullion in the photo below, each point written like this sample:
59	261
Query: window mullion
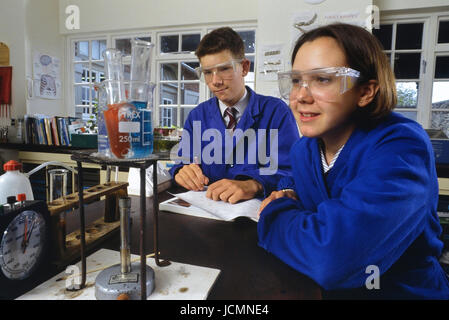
425	88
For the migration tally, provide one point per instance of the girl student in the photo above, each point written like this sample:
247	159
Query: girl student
358	215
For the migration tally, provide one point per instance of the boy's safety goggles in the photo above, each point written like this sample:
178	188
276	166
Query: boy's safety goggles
224	71
324	83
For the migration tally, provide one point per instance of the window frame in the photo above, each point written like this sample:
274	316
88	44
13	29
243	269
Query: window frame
157	59
429	50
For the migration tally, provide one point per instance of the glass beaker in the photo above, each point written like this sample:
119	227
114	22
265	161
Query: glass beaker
140	95
58	184
57	196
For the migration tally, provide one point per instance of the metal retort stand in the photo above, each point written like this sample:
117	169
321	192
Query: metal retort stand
92	157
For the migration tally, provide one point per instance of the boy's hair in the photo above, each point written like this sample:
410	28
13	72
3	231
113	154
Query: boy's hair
221	39
363	53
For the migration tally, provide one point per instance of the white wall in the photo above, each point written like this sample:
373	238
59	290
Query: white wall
28	25
107	15
42	35
25	26
12	33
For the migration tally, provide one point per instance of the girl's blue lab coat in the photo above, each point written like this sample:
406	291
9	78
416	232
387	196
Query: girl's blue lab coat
375	208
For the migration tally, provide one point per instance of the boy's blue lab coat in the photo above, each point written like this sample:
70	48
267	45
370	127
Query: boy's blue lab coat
262	112
375	208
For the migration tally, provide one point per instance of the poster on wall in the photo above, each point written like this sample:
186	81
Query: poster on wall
46	76
270	61
308	20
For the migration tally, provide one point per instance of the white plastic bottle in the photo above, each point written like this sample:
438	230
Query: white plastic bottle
14	182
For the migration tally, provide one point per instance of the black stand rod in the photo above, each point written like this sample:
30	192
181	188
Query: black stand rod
143	262
82	225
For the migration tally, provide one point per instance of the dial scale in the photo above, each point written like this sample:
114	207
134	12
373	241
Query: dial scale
24	246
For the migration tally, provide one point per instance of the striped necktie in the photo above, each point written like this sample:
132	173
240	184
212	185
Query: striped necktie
231	114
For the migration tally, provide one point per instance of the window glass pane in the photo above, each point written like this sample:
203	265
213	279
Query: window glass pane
188	70
406	65
82	95
124	44
443	32
249	40
442	67
81	72
169	44
190	93
81	50
385	35
168	93
409	36
190	42
97	71
440	120
98	47
168	116
251	75
169	71
79	112
440	95
407	94
184	114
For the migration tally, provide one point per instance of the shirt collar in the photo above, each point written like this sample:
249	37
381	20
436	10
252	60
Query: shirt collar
240	106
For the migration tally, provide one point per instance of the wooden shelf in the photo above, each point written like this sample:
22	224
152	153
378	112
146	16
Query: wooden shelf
40	148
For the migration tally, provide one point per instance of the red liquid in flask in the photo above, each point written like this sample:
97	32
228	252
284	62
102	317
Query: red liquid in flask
119	142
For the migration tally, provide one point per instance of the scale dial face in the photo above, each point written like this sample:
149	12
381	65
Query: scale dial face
22	245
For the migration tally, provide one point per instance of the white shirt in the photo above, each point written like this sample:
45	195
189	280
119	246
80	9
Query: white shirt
240	107
327	167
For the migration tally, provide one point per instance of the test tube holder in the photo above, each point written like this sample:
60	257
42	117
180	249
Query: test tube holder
66	247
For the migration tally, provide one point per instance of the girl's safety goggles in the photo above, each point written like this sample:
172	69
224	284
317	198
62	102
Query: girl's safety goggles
323	83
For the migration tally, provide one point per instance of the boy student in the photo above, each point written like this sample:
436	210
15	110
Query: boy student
360	214
237	142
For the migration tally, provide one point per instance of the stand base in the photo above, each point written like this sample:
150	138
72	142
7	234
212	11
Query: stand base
112	284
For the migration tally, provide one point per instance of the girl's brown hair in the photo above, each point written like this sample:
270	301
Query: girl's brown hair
363	53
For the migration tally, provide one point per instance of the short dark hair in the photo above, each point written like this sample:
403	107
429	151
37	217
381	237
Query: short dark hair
363	53
221	39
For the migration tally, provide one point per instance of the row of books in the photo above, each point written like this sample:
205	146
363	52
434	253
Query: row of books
47	130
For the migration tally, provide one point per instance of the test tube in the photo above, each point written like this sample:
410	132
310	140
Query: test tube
125	253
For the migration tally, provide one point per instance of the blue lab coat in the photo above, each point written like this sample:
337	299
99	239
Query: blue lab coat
375	207
262	112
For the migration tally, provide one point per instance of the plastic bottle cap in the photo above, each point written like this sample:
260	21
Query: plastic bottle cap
12	165
21	197
11	199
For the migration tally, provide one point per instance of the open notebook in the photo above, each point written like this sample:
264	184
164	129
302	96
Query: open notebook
196	203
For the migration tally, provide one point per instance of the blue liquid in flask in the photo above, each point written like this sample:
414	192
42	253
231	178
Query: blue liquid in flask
142	142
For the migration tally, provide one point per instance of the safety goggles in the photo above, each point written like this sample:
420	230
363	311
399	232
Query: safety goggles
224	71
323	83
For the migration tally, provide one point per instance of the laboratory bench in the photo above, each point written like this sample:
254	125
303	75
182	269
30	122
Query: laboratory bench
247	272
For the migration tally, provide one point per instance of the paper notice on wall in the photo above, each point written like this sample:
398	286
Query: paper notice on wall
308	20
271	61
351	17
46	76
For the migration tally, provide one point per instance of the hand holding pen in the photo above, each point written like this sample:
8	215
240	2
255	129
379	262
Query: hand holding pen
191	177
